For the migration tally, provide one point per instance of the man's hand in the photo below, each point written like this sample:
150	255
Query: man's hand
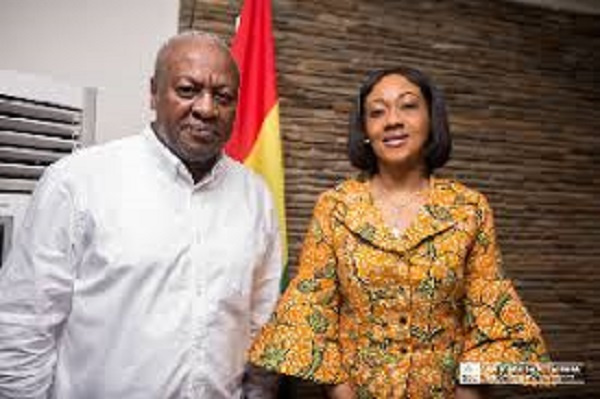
259	383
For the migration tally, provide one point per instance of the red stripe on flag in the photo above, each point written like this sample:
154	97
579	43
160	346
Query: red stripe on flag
254	50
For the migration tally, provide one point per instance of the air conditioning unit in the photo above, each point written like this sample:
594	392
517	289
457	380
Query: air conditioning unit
41	121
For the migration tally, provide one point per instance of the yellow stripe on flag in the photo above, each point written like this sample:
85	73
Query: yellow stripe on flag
265	158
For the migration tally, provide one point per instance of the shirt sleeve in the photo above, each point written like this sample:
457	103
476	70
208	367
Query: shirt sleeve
267	276
498	328
35	291
301	338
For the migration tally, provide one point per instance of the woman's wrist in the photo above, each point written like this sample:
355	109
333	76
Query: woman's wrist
340	391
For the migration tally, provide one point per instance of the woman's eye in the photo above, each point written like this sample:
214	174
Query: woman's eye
411	105
375	113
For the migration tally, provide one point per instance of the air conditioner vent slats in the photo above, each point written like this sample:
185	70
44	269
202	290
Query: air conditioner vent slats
10	170
45	128
29	156
15	107
41	121
20	139
17	185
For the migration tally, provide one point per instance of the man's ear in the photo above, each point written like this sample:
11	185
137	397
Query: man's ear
153	93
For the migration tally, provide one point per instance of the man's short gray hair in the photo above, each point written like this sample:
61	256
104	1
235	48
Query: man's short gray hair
165	49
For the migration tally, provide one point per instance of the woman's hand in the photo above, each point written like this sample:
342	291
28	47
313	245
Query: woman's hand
345	391
462	392
341	391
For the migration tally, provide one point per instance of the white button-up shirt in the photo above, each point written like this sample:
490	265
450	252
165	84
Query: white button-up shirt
129	281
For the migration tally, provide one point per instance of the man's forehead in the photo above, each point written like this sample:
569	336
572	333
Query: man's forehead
196	48
199	54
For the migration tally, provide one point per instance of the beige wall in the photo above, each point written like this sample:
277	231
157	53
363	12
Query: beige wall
108	44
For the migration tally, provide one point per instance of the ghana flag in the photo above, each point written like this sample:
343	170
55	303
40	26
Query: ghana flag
255	140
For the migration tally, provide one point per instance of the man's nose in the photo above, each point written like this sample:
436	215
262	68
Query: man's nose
204	105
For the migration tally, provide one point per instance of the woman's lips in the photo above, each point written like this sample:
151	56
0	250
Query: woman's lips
395	140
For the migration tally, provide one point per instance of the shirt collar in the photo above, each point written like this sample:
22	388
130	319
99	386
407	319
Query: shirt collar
174	165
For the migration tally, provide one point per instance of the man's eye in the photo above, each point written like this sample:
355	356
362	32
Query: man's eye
224	98
185	91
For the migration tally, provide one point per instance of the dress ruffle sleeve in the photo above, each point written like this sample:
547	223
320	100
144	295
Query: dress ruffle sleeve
301	338
498	328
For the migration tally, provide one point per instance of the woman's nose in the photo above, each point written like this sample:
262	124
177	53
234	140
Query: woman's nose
394	117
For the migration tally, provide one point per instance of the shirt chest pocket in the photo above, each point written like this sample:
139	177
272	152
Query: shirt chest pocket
228	272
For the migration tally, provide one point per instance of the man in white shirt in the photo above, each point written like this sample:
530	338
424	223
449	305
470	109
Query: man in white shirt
144	266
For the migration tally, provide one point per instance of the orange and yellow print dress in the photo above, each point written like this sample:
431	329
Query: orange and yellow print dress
395	315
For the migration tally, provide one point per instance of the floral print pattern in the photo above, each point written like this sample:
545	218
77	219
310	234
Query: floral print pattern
394	315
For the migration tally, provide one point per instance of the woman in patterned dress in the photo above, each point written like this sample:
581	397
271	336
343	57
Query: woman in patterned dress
399	278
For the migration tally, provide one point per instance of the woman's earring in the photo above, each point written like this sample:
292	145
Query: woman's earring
366	141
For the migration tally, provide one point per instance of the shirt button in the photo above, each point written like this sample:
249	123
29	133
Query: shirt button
403	320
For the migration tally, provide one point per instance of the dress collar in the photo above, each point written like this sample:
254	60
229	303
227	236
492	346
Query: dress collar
357	211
